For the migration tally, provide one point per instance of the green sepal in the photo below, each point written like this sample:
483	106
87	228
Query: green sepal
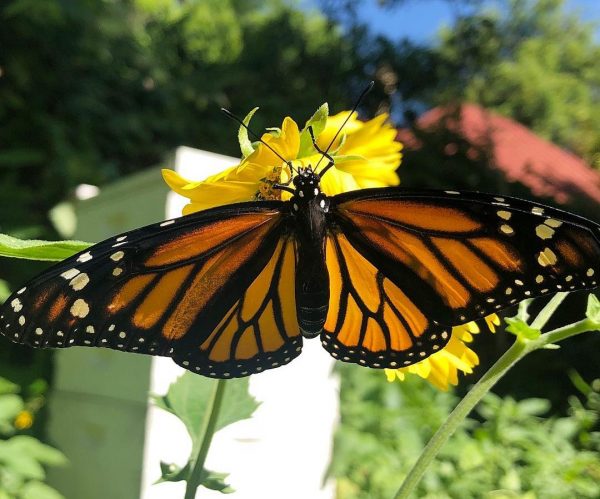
593	309
214	480
33	249
318	122
246	145
521	329
170	472
348	157
275	131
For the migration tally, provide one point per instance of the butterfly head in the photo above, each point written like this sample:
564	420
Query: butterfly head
307	190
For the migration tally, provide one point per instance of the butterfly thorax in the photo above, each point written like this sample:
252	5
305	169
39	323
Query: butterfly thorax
309	207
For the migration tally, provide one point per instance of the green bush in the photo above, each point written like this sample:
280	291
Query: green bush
506	449
23	457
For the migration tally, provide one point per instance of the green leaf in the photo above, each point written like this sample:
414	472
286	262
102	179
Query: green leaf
318	122
534	406
246	145
10	406
39	490
17	459
188	398
50	251
8	386
38	450
4	290
593	309
521	329
216	481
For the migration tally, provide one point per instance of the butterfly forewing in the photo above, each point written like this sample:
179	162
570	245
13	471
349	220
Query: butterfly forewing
163	289
451	257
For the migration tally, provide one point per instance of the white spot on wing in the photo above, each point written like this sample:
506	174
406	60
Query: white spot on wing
69	274
115	257
84	257
544	232
80	308
16	305
553	223
79	281
168	222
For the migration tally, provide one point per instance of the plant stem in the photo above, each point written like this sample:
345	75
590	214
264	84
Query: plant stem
544	316
515	353
212	414
456	417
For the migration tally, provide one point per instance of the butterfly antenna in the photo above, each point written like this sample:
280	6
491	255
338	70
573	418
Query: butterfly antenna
366	90
254	135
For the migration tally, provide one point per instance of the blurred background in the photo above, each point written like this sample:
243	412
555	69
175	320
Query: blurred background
491	95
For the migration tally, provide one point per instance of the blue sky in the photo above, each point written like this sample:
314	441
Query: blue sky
420	20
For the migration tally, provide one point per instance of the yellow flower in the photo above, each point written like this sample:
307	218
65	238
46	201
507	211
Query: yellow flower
24	420
366	154
441	368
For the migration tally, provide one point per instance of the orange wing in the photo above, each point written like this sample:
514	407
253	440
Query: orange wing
210	290
406	266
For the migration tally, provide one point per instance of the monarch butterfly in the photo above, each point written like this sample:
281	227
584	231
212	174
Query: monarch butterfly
380	274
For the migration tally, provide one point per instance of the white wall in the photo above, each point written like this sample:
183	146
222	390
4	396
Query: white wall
285	448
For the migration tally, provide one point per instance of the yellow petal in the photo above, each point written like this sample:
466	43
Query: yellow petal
287	145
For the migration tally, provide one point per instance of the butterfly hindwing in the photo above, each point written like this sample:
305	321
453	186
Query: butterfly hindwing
371	320
454	257
159	290
259	331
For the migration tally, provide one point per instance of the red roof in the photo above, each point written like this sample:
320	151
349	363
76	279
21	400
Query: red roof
546	169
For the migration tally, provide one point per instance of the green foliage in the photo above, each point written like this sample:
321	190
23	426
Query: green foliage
532	61
94	90
23	457
514	452
190	399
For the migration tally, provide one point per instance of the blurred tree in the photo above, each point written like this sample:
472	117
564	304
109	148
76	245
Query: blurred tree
536	63
531	60
91	90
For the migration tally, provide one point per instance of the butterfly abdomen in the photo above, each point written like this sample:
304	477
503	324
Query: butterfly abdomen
312	294
312	278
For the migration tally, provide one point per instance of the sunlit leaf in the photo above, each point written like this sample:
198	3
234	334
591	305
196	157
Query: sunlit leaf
593	309
246	145
317	121
189	396
39	250
521	329
39	490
